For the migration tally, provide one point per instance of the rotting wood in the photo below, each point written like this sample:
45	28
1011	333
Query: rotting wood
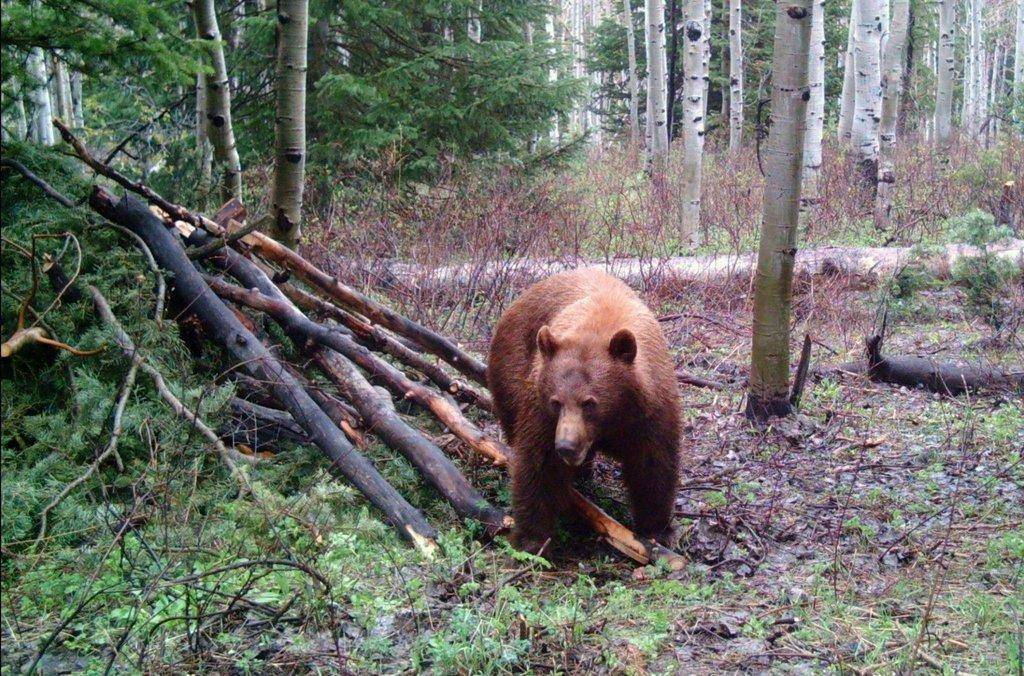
864	265
941	377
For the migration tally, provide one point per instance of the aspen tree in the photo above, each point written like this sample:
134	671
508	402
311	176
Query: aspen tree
768	393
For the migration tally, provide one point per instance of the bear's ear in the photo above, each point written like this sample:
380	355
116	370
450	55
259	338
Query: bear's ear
546	342
623	346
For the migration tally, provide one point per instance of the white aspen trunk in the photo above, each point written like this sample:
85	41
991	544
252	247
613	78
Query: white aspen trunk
593	110
883	27
234	18
447	33
735	75
204	151
146	153
39	95
815	111
867	107
549	25
847	99
474	30
944	79
967	79
695	74
657	112
634	92
531	146
892	89
984	92
61	85
972	73
290	120
998	87
768	392
1018	53
20	121
706	55
77	104
218	102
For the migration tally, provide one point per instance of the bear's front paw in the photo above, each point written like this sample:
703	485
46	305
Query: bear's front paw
533	543
666	536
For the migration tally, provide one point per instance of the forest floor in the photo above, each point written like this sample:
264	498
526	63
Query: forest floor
879	529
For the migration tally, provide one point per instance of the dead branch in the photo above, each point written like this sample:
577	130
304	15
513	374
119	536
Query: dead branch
127	345
355	301
50	191
228	331
273	251
380	417
802	368
37	335
109	449
942	377
377	339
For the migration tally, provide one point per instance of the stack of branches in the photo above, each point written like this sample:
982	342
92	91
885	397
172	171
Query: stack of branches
221	265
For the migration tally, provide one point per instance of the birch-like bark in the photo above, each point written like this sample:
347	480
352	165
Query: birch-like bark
868	81
884	25
769	363
892	89
549	24
944	79
973	72
735	75
290	121
474	30
218	102
706	54
815	111
657	112
20	120
634	91
847	99
77	105
695	74
204	151
1018	54
39	95
62	90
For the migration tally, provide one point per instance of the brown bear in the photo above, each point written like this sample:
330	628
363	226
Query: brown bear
579	364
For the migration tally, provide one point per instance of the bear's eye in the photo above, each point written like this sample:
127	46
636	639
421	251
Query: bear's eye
589	405
556	405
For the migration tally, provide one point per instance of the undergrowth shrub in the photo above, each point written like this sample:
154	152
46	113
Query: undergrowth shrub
984	277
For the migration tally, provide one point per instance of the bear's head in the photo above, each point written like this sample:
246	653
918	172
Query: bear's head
586	387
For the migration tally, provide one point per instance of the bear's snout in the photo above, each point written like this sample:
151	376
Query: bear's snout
571	451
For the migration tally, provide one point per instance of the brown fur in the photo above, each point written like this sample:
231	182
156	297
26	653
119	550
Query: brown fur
580	358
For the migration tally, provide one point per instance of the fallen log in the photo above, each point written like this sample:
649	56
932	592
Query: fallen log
865	264
941	377
379	418
228	331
